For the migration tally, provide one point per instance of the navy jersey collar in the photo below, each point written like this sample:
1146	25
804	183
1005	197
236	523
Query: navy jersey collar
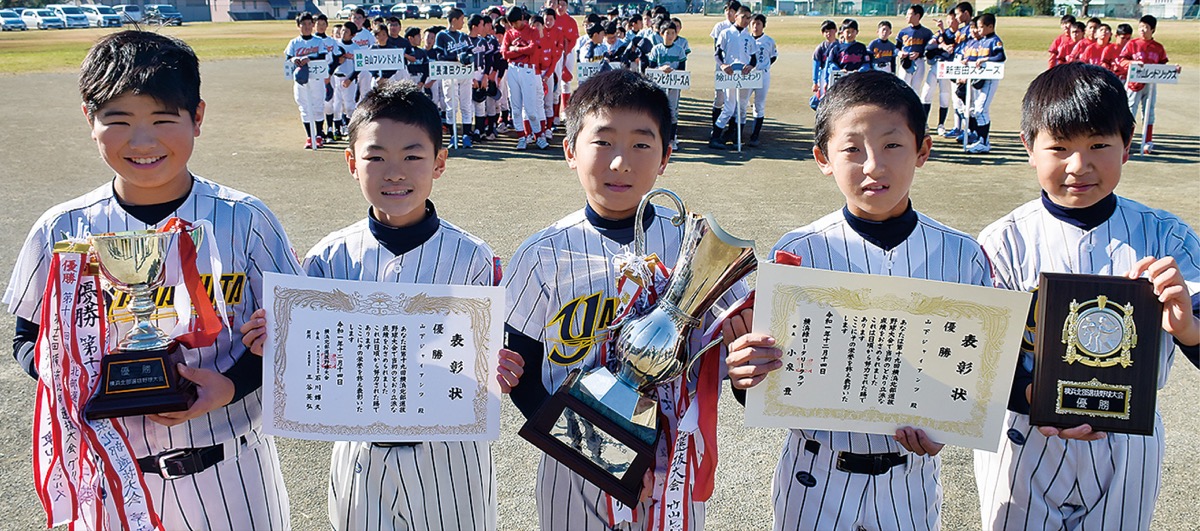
152	215
618	230
886	234
1086	218
404	239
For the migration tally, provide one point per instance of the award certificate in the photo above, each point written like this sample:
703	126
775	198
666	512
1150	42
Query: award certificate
371	361
867	353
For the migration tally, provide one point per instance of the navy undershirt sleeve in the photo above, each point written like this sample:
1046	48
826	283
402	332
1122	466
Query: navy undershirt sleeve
24	341
529	394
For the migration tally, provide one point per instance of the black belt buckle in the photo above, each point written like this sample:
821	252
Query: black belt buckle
406	444
174	464
870	464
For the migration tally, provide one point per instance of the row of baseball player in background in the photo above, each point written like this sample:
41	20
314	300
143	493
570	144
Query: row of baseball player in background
961	37
1092	43
211	466
524	66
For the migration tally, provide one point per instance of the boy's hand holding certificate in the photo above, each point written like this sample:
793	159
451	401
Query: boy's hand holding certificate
865	353
367	361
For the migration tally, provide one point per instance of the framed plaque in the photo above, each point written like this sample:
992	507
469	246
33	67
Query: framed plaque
1097	351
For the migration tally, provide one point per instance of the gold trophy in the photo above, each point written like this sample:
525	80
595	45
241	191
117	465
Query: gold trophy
605	426
139	376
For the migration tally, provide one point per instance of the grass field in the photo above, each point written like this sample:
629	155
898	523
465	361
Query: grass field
57	50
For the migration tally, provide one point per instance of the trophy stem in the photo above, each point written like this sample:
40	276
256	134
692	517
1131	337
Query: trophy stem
143	335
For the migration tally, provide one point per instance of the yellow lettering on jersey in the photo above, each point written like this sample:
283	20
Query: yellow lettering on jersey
233	287
593	313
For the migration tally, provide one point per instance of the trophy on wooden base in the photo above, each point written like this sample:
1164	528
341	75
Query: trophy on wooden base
605	426
1097	353
139	376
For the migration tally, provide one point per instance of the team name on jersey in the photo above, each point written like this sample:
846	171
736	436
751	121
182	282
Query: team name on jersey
233	287
593	313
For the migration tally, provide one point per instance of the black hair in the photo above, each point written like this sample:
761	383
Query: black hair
668	25
537	19
828	25
476	20
635	18
594	28
142	63
549	12
1094	21
1106	26
395	19
1149	20
1078	25
400	101
360	11
303	17
610	28
455	13
874	88
592	18
614	11
1124	29
1073	100
733	4
624	90
744	10
412	32
514	15
884	24
321	16
965	6
918	9
760	18
351	27
1066	19
987	19
849	24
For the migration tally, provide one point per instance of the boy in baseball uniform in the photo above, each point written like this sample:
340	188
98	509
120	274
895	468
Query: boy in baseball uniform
988	49
912	41
883	51
395	154
345	78
669	56
309	94
735	49
520	48
1144	49
1077	133
209	467
766	56
870	137
562	291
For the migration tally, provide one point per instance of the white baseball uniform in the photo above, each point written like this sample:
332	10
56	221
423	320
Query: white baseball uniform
365	40
1036	482
735	46
345	98
310	97
718	28
329	48
245	490
456	93
561	286
811	490
425	485
766	53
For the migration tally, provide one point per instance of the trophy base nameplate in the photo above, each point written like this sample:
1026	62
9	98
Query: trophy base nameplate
1096	354
575	428
141	382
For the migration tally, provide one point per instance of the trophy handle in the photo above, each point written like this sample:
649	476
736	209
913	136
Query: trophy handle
688	369
639	231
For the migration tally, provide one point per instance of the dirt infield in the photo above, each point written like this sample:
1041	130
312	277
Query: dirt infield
251	141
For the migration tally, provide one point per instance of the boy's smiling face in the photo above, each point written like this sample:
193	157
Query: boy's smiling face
618	156
1077	172
147	145
884	32
395	165
872	155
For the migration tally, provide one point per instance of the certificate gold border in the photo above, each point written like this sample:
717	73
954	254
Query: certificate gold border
379	303
994	320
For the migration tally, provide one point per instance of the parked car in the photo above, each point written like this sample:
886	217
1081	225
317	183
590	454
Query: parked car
430	11
101	16
164	14
378	10
72	16
129	13
10	21
447	6
41	19
406	11
345	12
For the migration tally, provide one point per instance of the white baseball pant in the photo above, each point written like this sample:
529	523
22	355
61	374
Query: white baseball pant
525	93
759	95
916	78
463	110
310	98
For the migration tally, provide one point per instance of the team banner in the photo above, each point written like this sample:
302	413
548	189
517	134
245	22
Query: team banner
385	59
868	353
675	79
371	361
956	70
1161	74
737	80
450	70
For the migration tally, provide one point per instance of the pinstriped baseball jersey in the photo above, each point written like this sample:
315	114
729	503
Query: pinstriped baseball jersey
1113	483
561	288
250	241
435	485
809	491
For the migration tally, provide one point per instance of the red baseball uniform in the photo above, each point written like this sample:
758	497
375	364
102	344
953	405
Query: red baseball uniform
1056	50
1143	51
